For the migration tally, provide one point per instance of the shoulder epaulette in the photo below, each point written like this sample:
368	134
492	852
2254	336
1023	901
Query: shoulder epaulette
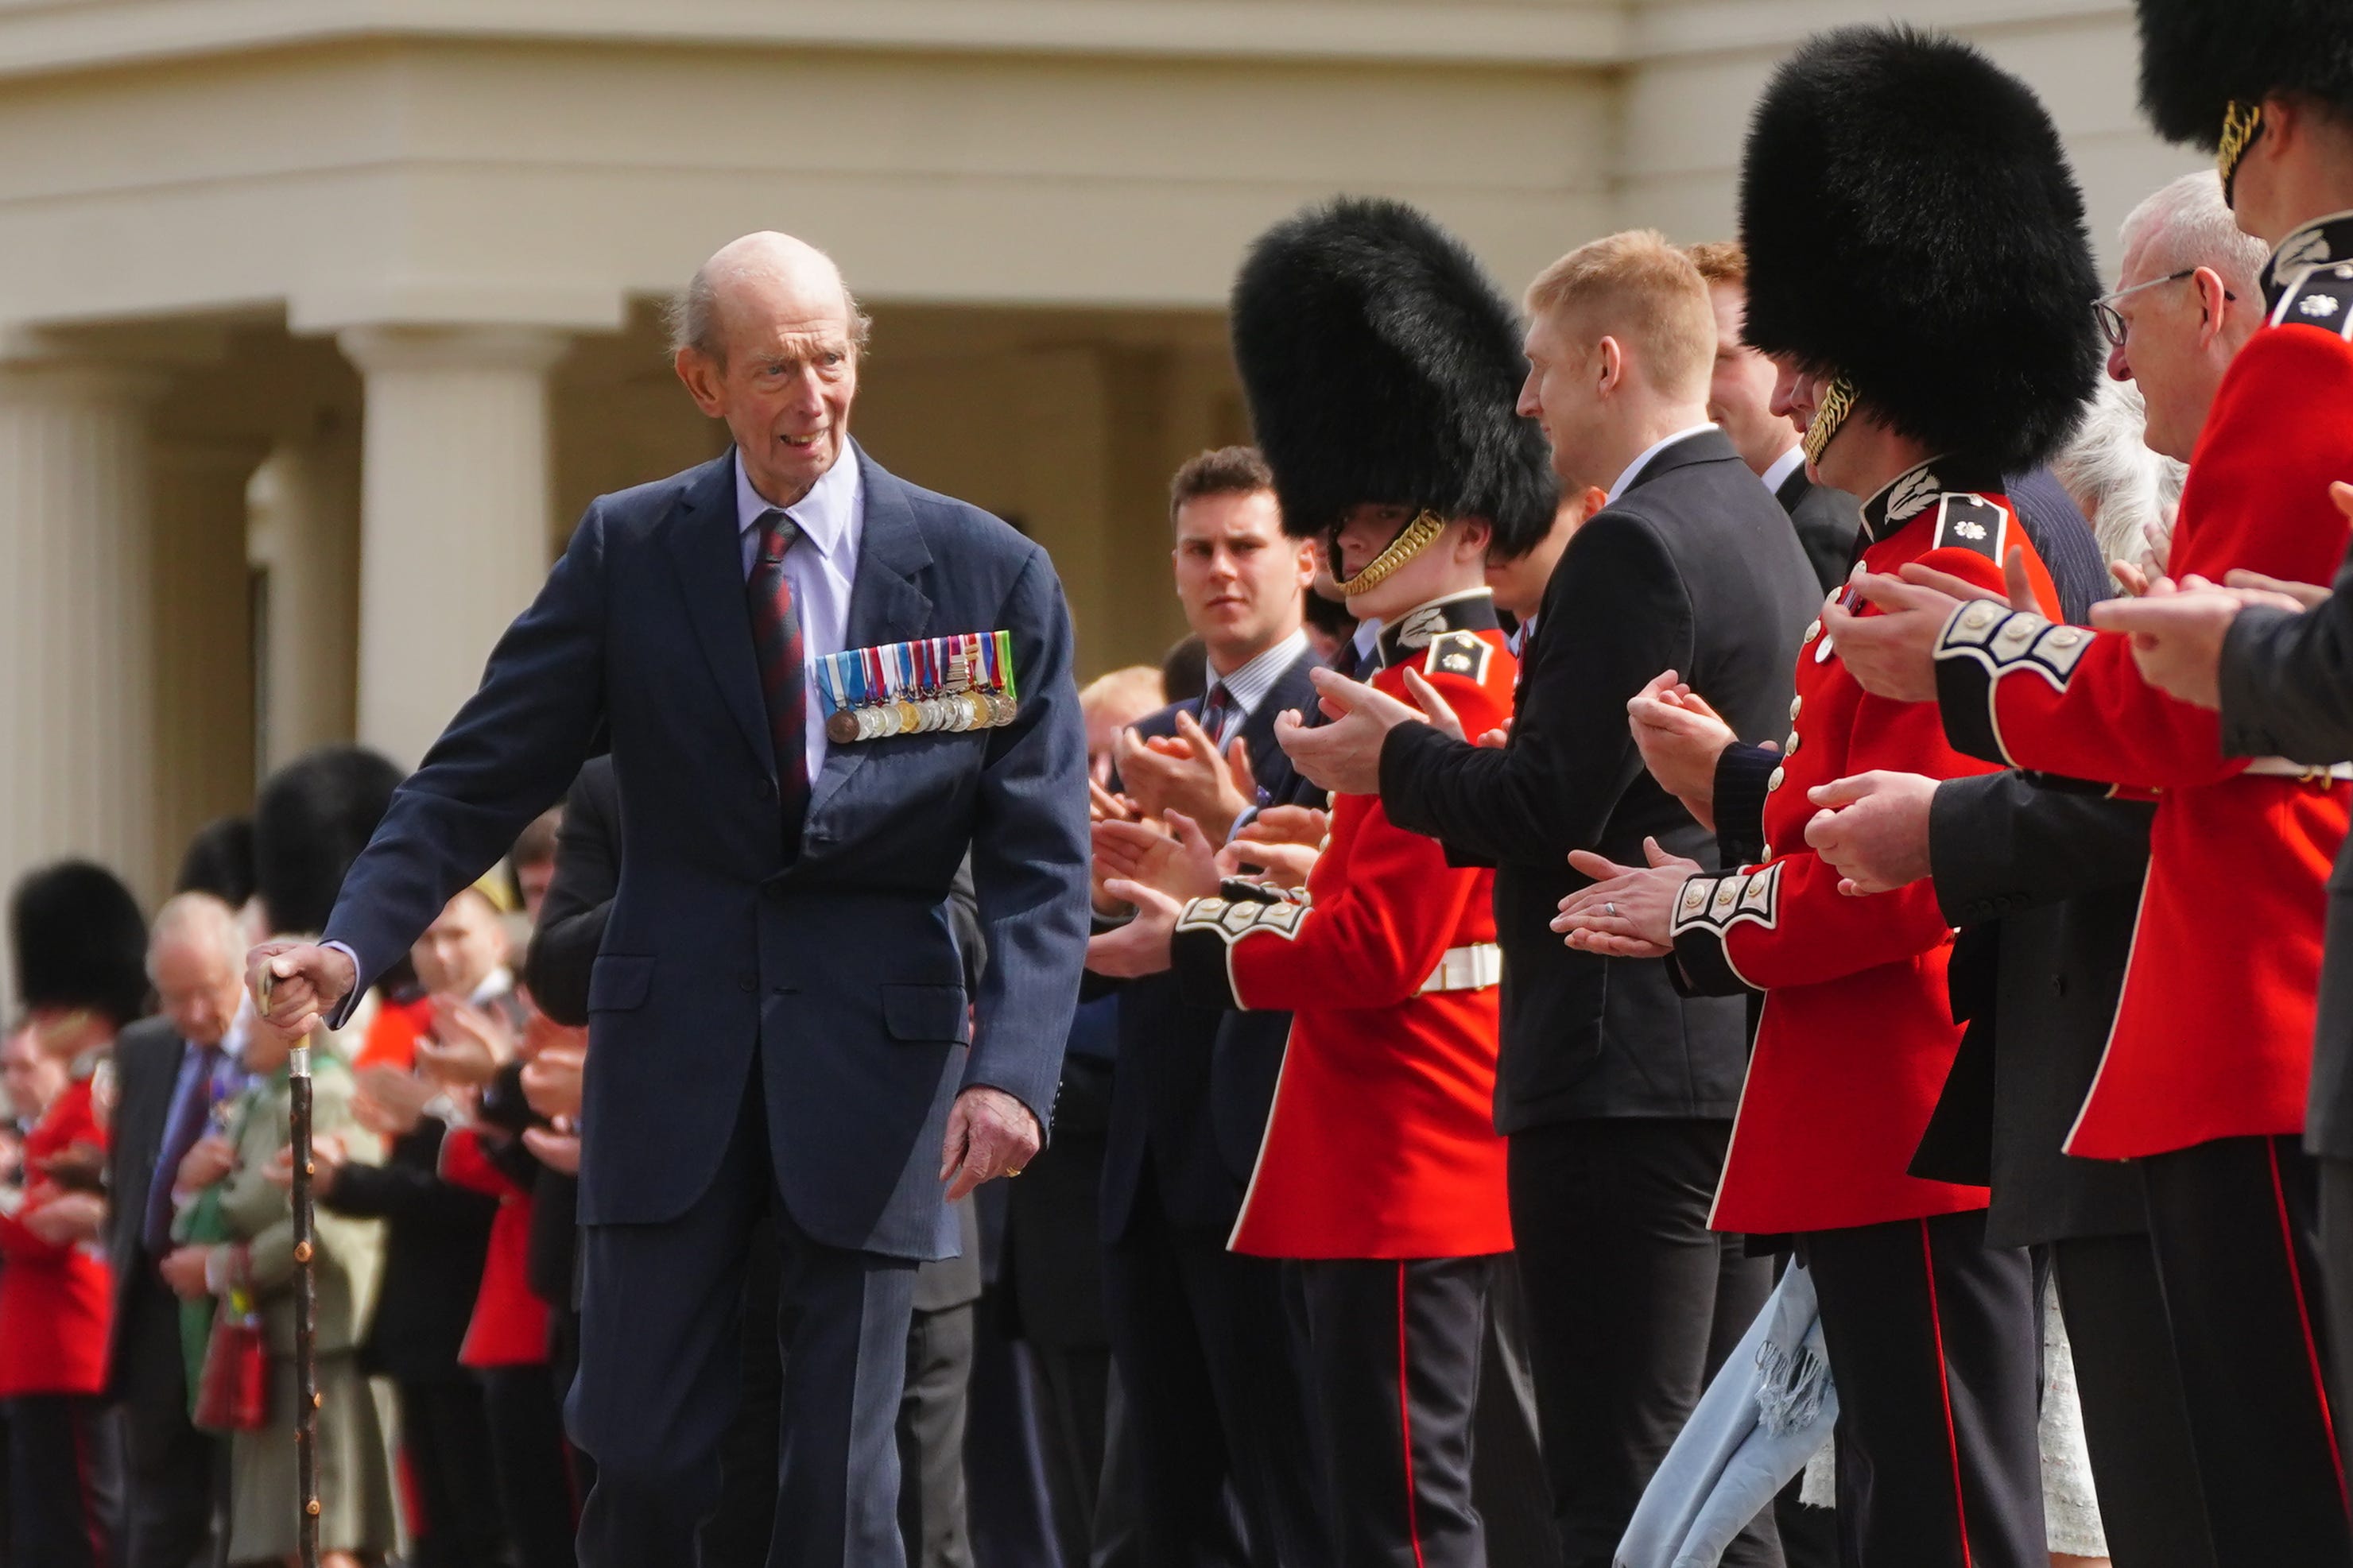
2322	298
1965	520
1465	653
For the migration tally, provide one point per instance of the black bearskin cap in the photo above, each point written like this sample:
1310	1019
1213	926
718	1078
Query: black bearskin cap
1912	224
1381	365
79	941
219	861
313	818
2198	55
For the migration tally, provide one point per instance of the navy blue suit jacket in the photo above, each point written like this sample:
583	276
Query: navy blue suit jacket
835	972
1193	1085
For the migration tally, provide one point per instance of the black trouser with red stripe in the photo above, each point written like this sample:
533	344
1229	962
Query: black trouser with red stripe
65	1481
2235	1227
1937	1358
1393	1370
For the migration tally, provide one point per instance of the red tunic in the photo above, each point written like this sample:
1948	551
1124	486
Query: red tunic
1857	1035
1382	1140
2214	1036
55	1301
509	1323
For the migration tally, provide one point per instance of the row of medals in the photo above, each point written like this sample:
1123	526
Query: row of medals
960	706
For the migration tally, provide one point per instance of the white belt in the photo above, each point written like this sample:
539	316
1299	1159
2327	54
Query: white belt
2281	768
1471	968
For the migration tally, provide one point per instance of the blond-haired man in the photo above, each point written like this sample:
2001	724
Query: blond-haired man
1617	1093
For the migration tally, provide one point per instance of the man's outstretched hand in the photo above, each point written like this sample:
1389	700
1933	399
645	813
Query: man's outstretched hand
296	983
990	1134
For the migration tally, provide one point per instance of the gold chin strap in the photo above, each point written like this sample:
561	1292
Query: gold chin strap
1838	402
1410	541
2240	124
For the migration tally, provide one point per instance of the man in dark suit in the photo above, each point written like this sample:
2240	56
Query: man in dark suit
557	970
1199	1334
1617	1092
780	1024
169	1070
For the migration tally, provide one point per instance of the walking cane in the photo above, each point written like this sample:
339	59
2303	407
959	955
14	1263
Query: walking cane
306	1312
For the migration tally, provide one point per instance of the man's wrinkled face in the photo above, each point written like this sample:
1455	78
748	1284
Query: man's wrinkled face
461	949
1238	579
787	381
199	987
2166	352
1740	386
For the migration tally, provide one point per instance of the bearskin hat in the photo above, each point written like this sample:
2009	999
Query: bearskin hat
79	940
1381	365
219	861
313	817
2199	56
1912	224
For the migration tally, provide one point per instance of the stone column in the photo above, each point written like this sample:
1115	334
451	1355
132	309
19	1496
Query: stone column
454	514
204	635
79	763
304	541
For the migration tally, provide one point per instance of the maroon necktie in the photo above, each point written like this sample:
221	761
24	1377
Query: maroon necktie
777	638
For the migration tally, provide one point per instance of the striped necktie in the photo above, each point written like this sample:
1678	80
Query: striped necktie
777	638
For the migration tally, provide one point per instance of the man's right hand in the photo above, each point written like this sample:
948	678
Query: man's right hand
296	983
1680	737
209	1158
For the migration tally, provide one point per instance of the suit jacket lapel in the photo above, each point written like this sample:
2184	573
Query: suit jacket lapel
885	604
1292	688
705	548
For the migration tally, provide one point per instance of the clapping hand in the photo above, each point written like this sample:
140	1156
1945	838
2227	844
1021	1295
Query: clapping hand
1680	738
1180	863
551	1080
184	1272
207	1160
558	1152
1628	911
390	1102
1872	829
328	1159
1278	865
1183	772
1894	654
67	1217
467	1045
1142	945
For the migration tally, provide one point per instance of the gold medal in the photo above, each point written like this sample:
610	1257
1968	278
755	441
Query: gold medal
977	714
909	718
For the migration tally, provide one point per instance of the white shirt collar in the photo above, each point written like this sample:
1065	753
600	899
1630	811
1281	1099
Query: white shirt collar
498	983
1368	638
1246	688
1788	463
826	516
1634	469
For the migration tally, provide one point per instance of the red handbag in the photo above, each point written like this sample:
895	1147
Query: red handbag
233	1392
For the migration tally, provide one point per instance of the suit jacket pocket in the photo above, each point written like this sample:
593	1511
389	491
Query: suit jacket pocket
925	1012
618	982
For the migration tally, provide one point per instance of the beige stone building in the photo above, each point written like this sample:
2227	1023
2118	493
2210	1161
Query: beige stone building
322	320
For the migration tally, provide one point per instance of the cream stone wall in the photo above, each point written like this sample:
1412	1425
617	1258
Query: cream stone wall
389	270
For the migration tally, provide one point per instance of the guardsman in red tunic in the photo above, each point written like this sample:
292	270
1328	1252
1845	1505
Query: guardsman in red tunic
2203	1082
1381	369
79	947
1919	274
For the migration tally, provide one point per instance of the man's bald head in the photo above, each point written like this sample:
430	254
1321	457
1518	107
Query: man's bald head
768	339
762	274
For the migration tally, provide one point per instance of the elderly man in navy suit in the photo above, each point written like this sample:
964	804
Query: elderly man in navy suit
778	1016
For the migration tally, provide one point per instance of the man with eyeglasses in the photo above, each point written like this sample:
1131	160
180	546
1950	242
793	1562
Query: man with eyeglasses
2186	300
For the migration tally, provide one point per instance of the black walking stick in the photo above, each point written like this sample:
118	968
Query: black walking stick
306	1309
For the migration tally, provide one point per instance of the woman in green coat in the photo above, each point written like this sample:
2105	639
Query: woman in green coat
251	1253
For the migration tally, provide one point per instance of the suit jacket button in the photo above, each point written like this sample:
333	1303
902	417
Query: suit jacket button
747	984
2058	985
767	789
